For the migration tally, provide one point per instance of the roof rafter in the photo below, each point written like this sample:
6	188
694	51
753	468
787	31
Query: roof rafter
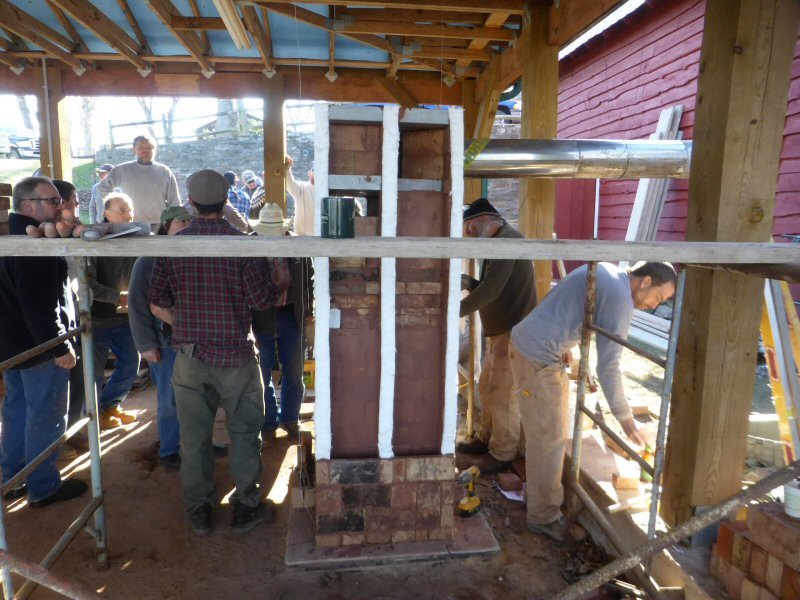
108	31
262	40
431	31
45	44
123	4
165	10
516	7
331	73
317	20
495	19
203	35
14	16
77	41
402	15
181	23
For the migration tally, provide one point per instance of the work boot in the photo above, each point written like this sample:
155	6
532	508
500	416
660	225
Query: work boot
171	462
200	520
489	464
80	442
70	488
246	517
126	417
555	530
16	492
474	446
293	429
108	421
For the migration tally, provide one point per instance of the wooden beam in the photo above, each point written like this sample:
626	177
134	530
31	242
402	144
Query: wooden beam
496	19
516	7
391	72
431	31
487	108
182	23
331	74
412	15
140	36
104	28
78	42
17	65
460	54
399	93
19	27
570	18
15	18
55	161
745	69
253	25
165	10
316	20
472	186
537	200
203	35
274	142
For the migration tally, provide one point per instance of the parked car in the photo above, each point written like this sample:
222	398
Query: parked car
5	145
23	142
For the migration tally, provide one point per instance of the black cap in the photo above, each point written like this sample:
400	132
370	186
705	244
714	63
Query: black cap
479	207
230	176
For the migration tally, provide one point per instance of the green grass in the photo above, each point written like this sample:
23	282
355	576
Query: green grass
12	170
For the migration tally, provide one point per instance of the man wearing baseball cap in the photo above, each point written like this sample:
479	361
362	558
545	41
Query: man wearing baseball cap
96	201
208	302
503	295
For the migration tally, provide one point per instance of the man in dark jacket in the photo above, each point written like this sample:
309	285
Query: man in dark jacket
35	307
504	294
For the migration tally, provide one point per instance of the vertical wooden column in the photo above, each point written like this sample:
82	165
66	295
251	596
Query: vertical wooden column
745	67
537	198
472	185
274	141
53	125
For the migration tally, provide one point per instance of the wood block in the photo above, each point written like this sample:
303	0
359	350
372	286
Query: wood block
776	532
614	446
750	590
713	564
366	226
723	568
740	554
790	585
758	564
733	582
3	216
509	482
727	530
5	189
622	482
774	576
5	202
639	409
4	229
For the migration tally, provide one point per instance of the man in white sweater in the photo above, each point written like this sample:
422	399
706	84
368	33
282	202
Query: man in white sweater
151	185
303	194
538	344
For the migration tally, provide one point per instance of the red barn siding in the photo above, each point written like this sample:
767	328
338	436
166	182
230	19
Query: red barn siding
616	86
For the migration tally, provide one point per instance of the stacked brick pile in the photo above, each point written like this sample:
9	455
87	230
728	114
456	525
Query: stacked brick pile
5	206
759	559
378	501
355	149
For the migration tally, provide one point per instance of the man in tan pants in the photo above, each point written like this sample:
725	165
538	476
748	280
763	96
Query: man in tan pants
504	294
539	343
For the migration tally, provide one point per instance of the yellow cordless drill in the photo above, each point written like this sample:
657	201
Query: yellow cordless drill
469	504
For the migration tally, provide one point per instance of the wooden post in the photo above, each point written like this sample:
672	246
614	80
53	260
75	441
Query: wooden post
56	128
274	141
472	185
745	67
537	197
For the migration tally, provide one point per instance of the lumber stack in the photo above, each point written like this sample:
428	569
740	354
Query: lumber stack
759	559
5	206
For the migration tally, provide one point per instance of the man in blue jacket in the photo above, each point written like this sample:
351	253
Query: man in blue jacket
35	307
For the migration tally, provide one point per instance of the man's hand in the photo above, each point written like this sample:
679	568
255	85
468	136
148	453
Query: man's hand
288	162
66	361
280	274
632	431
566	358
165	314
122	303
151	356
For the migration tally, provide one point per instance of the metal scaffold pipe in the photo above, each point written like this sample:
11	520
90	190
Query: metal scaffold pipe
579	159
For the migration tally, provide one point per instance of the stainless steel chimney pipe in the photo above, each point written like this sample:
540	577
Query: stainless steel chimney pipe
579	159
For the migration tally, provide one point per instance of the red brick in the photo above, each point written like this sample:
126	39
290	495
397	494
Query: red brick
399	287
421	535
378	537
328	540
509	482
386	472
723	568
727	529
758	564
366	226
355	137
437	533
347	284
388	519
419	300
360	301
774	577
399	465
342	162
403	536
713	565
750	590
448	518
373	287
4	230
367	163
443	468
790	584
740	553
347	263
353	539
328	499
413	320
404	495
322	472
450	491
733	582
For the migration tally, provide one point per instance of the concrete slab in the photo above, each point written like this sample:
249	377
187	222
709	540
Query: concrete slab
474	537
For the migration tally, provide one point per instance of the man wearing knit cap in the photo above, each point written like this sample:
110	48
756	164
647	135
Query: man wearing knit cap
503	295
208	302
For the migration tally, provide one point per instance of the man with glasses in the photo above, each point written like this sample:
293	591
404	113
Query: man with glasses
35	307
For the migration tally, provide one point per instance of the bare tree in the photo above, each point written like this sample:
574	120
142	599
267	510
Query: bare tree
25	111
169	119
147	108
226	117
87	104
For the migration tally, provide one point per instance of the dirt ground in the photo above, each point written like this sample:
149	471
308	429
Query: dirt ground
153	555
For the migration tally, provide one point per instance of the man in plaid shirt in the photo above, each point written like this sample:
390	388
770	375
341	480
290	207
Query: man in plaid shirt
208	301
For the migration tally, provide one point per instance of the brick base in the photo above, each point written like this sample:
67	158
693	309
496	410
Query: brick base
374	501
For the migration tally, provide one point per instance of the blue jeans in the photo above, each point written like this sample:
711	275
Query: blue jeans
289	337
34	415
168	428
120	340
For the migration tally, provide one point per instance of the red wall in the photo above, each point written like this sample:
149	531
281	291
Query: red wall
616	86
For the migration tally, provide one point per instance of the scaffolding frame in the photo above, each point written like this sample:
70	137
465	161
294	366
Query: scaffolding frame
39	574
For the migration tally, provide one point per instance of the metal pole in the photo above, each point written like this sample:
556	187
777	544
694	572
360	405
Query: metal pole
625	343
36	350
44	577
472	356
8	585
663	412
93	428
583	374
613	435
684	530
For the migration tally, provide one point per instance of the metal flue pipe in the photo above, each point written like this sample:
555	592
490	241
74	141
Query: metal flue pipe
579	159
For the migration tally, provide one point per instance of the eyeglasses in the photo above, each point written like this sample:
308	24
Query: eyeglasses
57	201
